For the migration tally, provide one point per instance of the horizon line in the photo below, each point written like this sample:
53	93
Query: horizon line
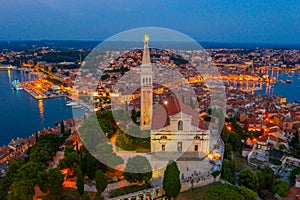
199	41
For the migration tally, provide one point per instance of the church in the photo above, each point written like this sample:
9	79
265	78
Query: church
175	127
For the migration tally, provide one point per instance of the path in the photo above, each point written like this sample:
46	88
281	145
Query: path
58	156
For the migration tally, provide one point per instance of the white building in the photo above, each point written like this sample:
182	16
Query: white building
176	128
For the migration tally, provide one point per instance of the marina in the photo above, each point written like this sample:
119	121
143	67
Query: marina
26	114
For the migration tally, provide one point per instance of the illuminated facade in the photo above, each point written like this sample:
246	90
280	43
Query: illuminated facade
146	88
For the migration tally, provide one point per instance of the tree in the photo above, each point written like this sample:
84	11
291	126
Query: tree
133	115
21	189
24	181
228	170
225	135
14	166
90	160
248	194
223	192
68	150
293	175
36	136
266	194
79	181
5	184
85	196
235	141
29	172
70	160
91	133
62	126
55	180
295	139
51	182
106	127
105	154
265	177
280	187
82	162
249	180
45	148
101	181
228	151
138	169
171	181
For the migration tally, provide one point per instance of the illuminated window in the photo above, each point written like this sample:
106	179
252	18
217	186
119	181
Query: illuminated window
179	146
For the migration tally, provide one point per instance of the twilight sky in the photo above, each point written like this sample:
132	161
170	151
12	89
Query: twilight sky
249	21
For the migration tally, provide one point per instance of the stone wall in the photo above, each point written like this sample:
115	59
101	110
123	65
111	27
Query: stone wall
198	182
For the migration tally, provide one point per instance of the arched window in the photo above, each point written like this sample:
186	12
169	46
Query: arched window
180	125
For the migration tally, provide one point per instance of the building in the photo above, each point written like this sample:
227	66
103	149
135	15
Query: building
177	133
297	181
176	128
146	88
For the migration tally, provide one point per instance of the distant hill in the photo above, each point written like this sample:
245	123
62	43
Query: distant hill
57	44
76	44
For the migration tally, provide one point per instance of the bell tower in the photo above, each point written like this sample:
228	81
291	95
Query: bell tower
146	88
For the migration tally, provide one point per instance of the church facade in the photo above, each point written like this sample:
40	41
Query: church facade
175	127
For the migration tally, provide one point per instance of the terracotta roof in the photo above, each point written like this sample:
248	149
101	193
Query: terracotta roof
162	112
263	139
294	194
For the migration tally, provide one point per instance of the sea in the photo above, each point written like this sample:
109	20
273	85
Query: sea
289	90
21	114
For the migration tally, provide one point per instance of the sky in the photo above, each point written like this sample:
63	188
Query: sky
239	21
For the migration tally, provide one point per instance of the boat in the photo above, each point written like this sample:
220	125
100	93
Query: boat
16	85
77	106
72	103
282	81
288	81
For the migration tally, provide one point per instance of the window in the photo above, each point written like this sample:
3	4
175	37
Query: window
196	148
197	137
163	137
179	146
163	147
180	125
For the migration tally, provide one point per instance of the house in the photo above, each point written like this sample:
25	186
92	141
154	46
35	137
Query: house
297	181
3	169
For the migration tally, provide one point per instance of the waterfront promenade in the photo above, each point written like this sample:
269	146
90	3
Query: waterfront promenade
43	89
